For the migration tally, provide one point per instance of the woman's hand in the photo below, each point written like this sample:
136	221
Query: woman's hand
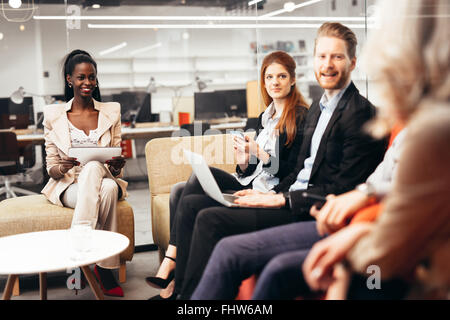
67	163
241	153
247	147
116	164
338	211
64	164
319	264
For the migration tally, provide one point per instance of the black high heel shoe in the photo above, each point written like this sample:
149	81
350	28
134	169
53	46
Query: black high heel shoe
173	296
160	283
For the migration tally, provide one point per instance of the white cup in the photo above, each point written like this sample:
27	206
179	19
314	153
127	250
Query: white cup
80	238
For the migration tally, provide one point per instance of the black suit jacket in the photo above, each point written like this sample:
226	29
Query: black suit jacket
346	155
285	159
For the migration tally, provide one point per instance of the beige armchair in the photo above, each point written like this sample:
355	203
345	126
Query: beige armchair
167	166
36	213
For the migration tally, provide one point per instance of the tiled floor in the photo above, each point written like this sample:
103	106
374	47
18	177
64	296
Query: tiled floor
139	199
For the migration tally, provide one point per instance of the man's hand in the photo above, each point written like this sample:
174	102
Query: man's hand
246	192
338	210
262	200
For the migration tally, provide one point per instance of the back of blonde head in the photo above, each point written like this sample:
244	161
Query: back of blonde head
407	56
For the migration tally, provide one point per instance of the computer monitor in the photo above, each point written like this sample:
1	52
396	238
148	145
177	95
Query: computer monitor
207	106
59	97
107	98
235	102
13	115
144	112
129	101
220	104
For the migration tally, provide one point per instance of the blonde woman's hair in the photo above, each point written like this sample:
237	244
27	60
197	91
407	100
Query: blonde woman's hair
408	57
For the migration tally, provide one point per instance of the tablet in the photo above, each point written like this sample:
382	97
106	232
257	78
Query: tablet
102	154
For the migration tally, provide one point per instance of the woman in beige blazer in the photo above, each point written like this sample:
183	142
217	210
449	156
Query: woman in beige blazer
94	188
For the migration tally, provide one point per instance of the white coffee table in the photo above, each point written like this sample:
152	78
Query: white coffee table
49	251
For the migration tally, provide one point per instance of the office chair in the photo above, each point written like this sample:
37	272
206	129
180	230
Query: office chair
198	128
9	164
252	123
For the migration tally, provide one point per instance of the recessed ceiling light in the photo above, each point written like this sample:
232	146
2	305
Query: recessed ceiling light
96	6
22	27
1	36
15	4
289	6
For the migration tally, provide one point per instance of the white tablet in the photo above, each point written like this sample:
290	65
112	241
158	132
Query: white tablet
102	154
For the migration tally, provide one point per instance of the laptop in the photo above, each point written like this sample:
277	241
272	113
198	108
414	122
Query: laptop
207	181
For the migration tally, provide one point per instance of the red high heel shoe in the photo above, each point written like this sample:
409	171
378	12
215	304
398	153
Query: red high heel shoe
113	292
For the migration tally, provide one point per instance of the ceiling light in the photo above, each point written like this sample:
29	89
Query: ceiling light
217	26
112	49
1	36
199	18
15	4
22	27
95	6
289	6
185	35
303	4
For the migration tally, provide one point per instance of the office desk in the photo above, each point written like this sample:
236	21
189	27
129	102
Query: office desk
137	133
148	133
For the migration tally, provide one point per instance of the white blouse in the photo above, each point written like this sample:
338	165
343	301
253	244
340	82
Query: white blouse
79	139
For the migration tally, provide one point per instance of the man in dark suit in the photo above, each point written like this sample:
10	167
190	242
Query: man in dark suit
335	156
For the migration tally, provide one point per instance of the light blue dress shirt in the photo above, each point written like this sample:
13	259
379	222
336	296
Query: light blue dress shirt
327	108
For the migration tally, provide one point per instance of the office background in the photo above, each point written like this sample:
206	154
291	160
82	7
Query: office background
156	56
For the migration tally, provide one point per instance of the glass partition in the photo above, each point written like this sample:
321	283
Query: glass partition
173	54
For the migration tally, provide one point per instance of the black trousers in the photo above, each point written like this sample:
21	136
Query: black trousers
226	182
201	222
175	197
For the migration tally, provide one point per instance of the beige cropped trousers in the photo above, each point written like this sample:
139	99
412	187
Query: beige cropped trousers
94	197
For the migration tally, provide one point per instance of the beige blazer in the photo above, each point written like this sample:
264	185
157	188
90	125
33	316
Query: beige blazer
415	223
57	143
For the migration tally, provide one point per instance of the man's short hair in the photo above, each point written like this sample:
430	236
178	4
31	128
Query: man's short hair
337	30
